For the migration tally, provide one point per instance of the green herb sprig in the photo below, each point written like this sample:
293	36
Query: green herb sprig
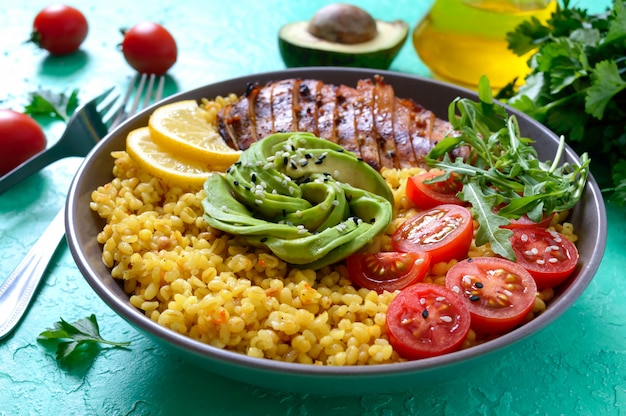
73	338
577	85
56	105
503	177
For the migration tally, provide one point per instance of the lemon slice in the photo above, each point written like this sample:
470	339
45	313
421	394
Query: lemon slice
163	164
182	128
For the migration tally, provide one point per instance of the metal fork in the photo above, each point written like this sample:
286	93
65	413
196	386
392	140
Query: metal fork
92	120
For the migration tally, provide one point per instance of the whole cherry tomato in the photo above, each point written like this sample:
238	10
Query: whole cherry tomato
20	138
149	48
59	29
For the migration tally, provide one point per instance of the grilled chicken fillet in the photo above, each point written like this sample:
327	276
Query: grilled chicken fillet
369	120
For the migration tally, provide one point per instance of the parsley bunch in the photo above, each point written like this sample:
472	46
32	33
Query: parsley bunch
577	85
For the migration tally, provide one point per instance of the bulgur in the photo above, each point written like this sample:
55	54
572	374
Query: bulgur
199	282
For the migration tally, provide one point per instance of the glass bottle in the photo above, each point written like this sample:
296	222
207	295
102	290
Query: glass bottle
460	40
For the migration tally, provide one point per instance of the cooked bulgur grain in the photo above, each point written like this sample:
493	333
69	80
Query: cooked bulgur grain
199	282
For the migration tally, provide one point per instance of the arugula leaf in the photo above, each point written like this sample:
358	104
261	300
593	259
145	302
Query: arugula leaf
490	230
577	84
505	178
47	103
71	337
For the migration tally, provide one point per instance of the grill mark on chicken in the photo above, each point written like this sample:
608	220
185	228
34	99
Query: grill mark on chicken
282	106
307	97
327	113
263	112
369	120
364	121
346	123
384	123
225	129
402	135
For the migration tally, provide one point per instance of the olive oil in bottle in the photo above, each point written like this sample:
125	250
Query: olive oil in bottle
460	40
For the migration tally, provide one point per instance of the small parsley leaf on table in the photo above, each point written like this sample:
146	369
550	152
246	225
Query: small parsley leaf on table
72	338
50	104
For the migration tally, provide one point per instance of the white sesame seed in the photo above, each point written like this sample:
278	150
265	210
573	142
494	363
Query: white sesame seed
540	261
440	298
422	301
553	260
446	318
335	202
456	289
524	238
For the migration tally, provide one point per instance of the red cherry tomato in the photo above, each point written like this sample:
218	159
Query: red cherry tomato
425	195
549	256
525	221
20	138
149	48
445	232
498	293
387	270
59	29
425	320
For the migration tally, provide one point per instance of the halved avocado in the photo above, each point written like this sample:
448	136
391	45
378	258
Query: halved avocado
300	47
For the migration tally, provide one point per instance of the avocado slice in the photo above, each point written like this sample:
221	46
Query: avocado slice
306	199
331	39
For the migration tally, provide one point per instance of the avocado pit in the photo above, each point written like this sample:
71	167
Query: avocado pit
343	23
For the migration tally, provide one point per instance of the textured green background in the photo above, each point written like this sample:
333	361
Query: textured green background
575	366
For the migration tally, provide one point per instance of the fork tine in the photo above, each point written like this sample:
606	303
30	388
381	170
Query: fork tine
142	82
159	92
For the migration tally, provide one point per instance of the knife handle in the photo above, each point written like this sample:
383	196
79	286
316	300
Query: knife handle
17	291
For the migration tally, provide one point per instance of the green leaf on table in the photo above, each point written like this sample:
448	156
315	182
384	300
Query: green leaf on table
76	338
51	104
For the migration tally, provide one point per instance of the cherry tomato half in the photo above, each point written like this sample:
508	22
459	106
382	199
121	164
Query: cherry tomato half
549	256
429	195
445	232
387	270
149	48
525	221
20	138
498	293
59	29
425	320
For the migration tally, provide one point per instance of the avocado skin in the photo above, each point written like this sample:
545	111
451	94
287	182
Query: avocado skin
297	56
331	209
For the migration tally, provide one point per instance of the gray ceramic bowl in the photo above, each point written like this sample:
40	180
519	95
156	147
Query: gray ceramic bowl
82	225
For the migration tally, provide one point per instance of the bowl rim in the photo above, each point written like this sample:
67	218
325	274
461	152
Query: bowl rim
182	342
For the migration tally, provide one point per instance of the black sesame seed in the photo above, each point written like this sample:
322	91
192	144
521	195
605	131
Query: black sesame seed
304	163
238	163
308	155
285	160
319	161
293	166
247	188
474	298
469	260
264	239
236	183
253	177
479	285
373	220
360	159
425	313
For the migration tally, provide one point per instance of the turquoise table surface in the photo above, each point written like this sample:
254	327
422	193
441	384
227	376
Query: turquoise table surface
576	366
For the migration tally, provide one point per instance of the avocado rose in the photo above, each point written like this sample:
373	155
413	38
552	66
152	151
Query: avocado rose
306	199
